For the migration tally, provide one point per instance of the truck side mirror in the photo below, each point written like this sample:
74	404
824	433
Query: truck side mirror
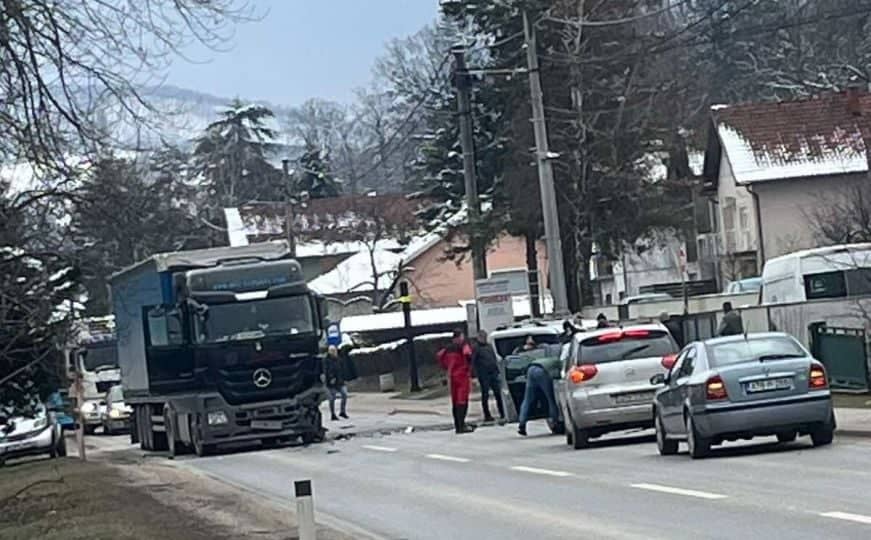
323	311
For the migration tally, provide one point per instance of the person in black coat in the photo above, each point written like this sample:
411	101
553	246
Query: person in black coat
334	378
487	368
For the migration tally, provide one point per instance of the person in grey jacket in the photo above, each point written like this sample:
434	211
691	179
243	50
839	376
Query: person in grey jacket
487	369
731	325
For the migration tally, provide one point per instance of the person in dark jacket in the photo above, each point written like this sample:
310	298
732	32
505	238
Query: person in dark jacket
487	370
334	378
731	325
539	382
569	331
456	359
602	321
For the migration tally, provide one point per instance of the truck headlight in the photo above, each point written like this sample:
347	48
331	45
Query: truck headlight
217	418
115	413
40	423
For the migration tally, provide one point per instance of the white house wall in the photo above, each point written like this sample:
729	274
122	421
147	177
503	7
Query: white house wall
744	237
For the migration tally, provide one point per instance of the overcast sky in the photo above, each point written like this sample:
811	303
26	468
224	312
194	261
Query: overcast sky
303	49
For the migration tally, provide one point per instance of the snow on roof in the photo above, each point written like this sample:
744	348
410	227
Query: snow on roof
796	139
419	317
235	227
423	243
355	274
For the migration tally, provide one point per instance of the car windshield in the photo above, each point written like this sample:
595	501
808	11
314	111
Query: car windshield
754	350
104	356
626	346
506	346
287	315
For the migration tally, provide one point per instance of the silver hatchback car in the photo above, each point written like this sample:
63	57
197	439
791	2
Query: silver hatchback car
606	384
740	387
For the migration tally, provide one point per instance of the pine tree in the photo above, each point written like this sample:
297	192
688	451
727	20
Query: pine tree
314	175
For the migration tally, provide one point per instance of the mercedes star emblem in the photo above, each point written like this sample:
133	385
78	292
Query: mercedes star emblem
262	378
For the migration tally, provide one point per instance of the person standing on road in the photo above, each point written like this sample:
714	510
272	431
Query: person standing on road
731	325
456	359
539	382
334	377
487	369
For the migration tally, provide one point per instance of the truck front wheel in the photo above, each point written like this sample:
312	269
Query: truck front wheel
200	448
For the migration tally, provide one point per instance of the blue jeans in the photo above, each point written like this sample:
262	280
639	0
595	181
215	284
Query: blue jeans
538	382
334	393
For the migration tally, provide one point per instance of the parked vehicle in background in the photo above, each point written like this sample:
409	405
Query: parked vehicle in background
116	415
606	384
220	346
646	298
743	286
60	403
829	272
740	387
93	356
507	340
31	435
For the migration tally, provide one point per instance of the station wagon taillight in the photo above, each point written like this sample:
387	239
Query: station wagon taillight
669	360
817	378
715	389
582	373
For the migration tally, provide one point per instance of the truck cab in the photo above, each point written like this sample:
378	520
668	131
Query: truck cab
93	358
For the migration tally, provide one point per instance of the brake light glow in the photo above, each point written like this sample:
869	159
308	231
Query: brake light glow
669	360
637	333
610	336
817	377
582	373
715	389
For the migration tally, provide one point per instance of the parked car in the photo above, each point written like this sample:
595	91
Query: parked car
59	402
116	415
36	434
746	285
606	384
740	387
646	298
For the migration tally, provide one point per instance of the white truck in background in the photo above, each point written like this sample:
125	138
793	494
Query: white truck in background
93	356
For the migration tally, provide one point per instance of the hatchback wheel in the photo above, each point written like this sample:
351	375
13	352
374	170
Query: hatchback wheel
699	447
665	446
580	438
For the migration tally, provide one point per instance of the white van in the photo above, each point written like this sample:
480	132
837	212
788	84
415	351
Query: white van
829	272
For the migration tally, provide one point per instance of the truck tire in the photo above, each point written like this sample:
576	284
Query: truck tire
143	425
201	449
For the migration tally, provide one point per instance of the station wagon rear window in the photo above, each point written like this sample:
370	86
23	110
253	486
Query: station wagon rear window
507	345
752	350
626	345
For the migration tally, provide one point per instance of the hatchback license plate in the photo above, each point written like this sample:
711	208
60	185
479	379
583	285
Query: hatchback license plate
271	425
769	385
639	397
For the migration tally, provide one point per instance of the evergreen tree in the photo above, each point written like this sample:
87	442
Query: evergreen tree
314	175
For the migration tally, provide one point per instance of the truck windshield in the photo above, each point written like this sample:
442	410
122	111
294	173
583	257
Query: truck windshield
104	356
286	315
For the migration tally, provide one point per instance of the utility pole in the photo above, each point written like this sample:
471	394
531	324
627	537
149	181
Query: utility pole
80	414
556	268
289	214
405	300
473	206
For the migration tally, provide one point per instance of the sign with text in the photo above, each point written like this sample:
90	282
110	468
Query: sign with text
494	303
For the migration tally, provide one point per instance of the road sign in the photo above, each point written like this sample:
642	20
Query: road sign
334	334
494	303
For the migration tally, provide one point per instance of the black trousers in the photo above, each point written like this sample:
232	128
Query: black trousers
490	382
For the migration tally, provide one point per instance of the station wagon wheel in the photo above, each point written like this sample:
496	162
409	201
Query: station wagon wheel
666	446
824	434
699	447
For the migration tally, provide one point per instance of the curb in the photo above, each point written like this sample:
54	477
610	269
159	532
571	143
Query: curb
864	433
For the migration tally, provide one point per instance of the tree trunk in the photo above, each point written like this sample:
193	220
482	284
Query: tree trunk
532	269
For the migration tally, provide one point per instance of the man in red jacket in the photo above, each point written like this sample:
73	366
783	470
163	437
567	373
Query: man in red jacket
456	359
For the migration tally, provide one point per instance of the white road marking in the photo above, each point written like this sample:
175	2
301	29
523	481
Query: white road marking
379	448
545	472
680	491
442	457
857	518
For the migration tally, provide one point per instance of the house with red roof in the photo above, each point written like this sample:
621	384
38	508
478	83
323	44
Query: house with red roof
768	169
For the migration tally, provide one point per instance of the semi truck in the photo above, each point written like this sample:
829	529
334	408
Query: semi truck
93	356
219	347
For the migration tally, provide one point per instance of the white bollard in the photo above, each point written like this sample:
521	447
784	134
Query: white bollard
305	509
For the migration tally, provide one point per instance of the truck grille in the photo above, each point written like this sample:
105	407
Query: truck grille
287	379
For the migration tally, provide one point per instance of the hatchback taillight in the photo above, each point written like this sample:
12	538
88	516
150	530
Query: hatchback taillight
582	373
715	389
669	360
817	378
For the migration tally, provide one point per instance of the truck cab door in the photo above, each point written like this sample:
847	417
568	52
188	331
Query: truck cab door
168	351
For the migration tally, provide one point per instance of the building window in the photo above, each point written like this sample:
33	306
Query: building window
744	218
729	214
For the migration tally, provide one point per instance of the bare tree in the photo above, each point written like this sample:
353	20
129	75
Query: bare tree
842	218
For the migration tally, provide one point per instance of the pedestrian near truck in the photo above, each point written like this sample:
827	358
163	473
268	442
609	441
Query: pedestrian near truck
335	379
487	369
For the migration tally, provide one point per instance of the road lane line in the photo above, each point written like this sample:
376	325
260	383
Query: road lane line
545	472
856	518
442	457
379	448
680	491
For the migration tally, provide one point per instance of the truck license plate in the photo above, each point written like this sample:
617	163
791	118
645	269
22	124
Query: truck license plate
271	425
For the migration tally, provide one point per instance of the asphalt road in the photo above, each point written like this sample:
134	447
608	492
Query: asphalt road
493	484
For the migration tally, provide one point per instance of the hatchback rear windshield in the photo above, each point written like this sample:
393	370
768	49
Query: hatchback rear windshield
754	350
508	345
629	346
